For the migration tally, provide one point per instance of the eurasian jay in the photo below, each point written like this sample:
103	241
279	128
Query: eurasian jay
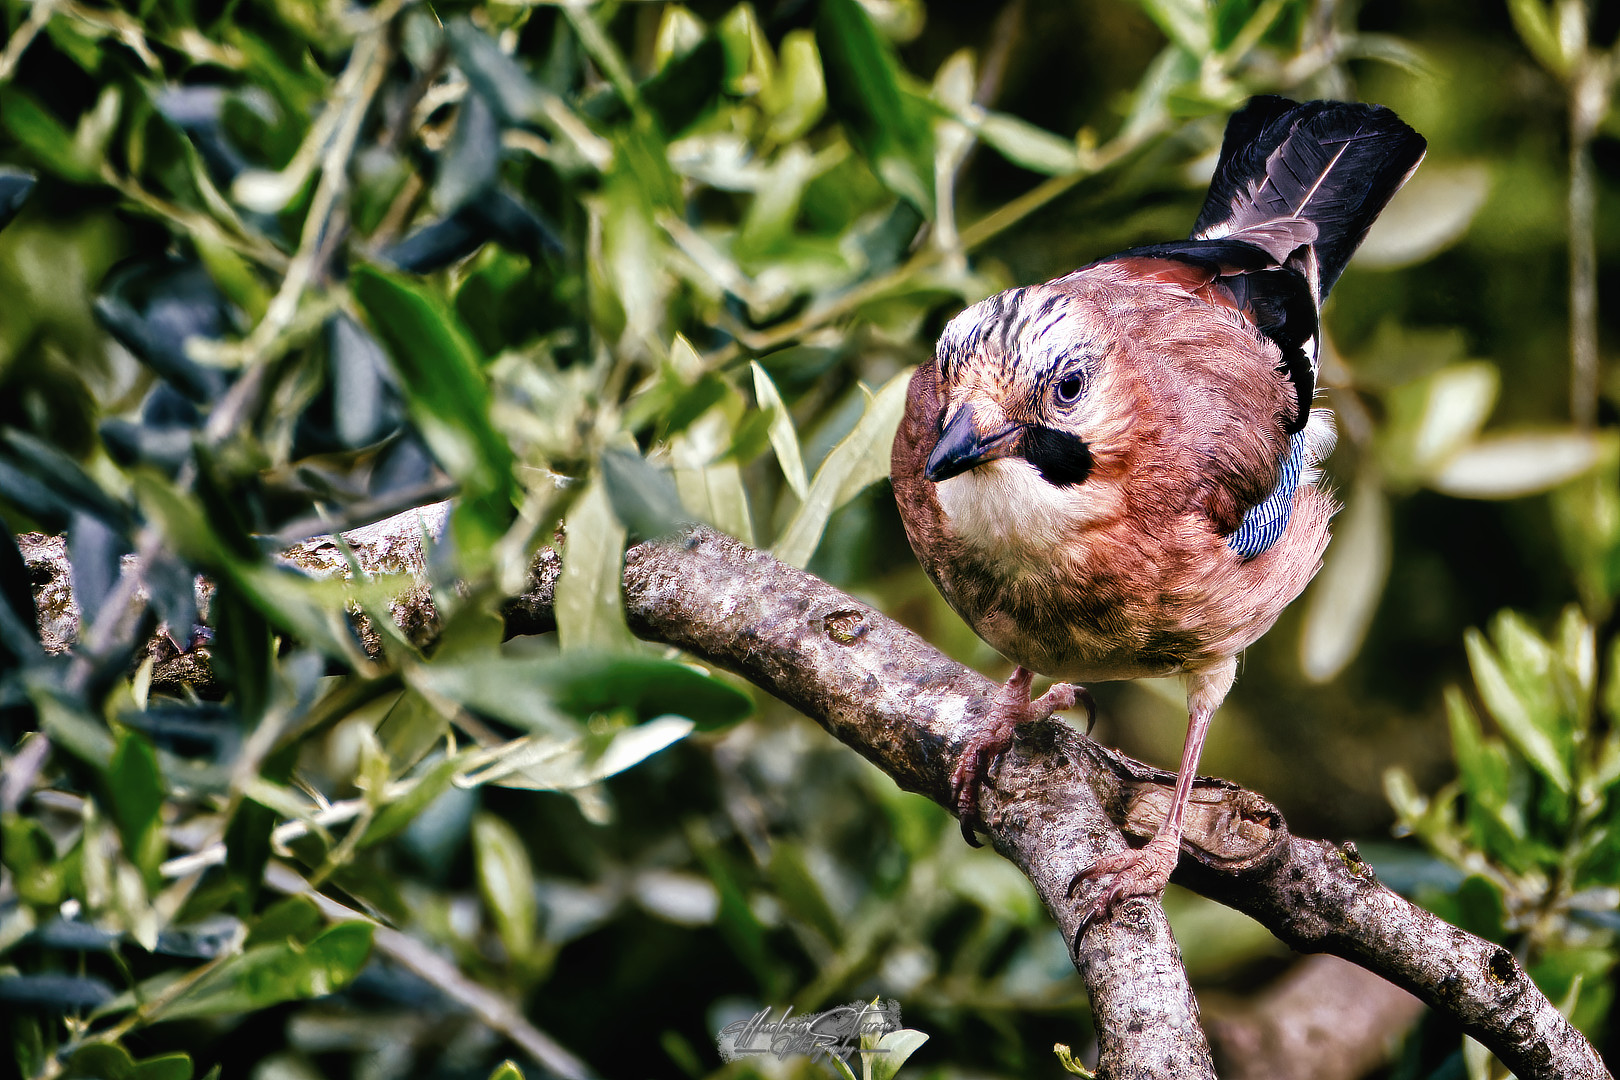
1114	475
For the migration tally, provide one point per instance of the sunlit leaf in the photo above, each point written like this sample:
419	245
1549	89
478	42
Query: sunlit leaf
1576	650
1425	217
1535	26
1510	466
750	63
531	693
234	275
550	764
506	882
271	974
1483	769
1513	714
680	898
775	208
679	32
862	458
29	854
1587	513
1185	22
784	438
895	1047
631	265
1022	143
1345	595
590	604
709	483
1459	399
797	96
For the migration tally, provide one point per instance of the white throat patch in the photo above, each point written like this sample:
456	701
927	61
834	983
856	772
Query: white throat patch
1005	506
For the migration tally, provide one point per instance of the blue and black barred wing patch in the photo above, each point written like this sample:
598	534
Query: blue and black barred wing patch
1265	523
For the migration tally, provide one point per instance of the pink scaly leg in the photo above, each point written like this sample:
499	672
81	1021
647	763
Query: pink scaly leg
1011	708
1146	871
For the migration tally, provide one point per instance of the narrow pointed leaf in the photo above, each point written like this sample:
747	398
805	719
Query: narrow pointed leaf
896	1047
1510	466
447	394
590	603
525	692
887	125
1022	143
506	881
862	458
271	974
1512	714
784	438
1345	596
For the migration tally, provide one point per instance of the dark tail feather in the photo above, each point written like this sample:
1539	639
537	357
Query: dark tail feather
1332	163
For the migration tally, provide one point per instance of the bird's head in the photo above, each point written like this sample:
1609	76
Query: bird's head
1024	385
1015	387
1118	391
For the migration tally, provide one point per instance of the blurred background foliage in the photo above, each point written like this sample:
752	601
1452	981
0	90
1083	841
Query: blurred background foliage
270	270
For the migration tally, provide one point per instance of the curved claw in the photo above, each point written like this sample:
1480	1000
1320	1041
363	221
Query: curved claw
1142	871
966	778
1012	707
1083	696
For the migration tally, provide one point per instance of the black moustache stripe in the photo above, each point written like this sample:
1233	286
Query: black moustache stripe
1062	459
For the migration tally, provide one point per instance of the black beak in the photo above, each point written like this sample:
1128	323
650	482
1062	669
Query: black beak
961	447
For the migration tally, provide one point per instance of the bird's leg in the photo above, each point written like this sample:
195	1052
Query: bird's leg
1146	871
1011	707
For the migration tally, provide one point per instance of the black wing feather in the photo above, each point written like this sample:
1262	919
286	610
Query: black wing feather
1333	163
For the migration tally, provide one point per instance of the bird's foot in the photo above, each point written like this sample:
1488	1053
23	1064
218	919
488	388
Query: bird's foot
1011	708
1138	872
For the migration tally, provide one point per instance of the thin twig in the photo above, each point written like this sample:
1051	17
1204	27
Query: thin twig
355	89
1588	100
1004	36
494	1011
24	37
244	243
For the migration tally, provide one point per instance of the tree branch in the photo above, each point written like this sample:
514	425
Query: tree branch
1056	801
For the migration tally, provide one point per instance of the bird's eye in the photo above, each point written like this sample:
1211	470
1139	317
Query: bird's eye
1068	389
